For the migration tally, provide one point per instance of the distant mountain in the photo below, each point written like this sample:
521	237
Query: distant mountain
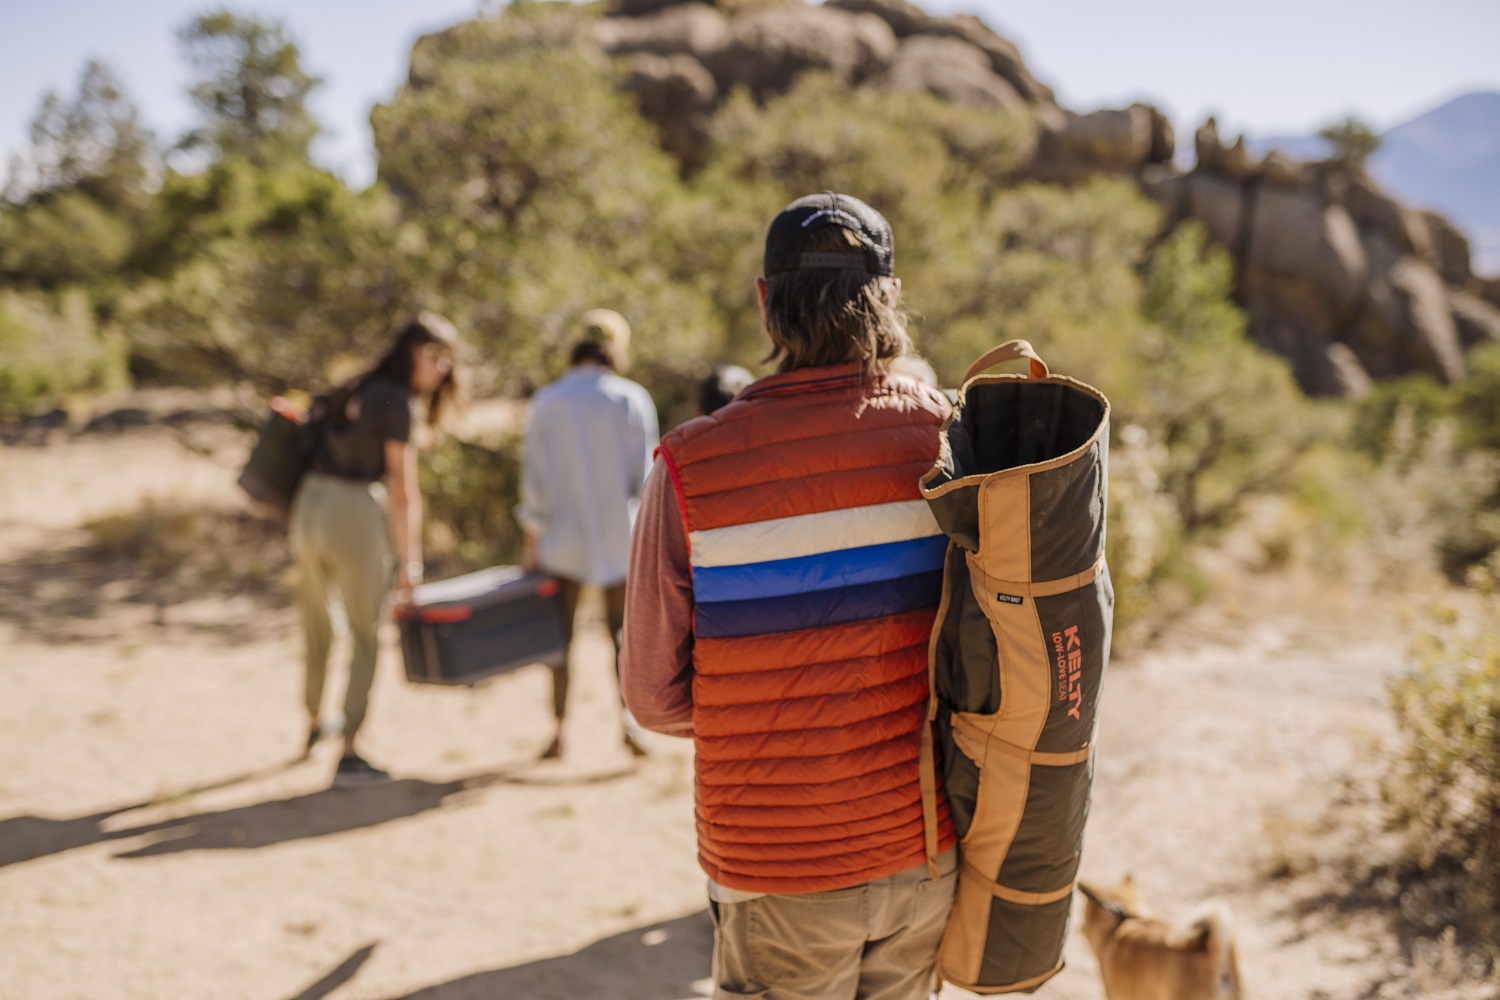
1447	159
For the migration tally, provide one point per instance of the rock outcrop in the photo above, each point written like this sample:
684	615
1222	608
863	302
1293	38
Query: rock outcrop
1344	280
1109	141
886	42
1336	275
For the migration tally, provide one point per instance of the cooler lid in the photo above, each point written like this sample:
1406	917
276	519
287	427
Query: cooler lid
469	587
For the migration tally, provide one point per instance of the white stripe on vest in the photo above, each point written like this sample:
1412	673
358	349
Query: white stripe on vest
813	534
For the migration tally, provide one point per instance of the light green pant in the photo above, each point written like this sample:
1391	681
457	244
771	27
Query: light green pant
340	538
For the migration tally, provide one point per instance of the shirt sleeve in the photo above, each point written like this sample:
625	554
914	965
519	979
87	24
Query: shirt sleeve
531	513
392	412
650	434
656	656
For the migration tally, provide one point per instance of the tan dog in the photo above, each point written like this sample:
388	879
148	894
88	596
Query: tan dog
1144	958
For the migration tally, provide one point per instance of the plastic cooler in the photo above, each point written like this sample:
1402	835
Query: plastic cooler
462	630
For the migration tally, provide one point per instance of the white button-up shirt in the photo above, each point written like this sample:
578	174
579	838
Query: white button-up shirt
589	443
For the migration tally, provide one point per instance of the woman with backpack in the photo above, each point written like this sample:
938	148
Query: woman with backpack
356	522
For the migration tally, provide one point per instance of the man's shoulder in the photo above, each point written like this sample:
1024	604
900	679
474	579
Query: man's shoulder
688	430
554	390
617	385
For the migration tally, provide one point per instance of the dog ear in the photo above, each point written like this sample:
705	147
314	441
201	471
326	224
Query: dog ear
1109	906
1201	930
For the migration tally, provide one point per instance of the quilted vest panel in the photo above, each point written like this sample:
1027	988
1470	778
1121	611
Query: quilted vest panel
817	570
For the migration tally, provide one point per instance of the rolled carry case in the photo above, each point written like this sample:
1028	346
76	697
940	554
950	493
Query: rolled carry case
467	628
1017	660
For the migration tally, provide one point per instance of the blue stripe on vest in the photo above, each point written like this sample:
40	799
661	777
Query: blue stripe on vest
730	619
804	574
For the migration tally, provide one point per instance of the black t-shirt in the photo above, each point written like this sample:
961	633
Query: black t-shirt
379	411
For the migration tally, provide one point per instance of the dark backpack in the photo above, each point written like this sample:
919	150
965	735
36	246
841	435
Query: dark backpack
282	454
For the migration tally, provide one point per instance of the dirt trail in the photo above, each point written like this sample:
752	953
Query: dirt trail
158	838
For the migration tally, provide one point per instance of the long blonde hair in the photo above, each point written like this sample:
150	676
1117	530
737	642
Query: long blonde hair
825	316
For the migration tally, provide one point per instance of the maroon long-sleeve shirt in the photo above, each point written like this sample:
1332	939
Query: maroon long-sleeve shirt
656	658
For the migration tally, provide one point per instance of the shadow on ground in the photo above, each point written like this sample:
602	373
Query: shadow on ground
341	974
62	591
665	961
302	817
316	814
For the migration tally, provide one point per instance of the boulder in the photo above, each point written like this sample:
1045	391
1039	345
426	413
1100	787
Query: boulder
1488	289
1284	172
1232	161
1346	375
1162	183
1163	138
1377	211
769	48
1218	204
1450	249
1005	58
489	39
904	18
692	29
1295	238
1319	368
678	95
953	70
1110	141
1477	321
636	8
1407	324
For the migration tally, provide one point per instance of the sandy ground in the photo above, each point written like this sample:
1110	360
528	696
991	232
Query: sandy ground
160	837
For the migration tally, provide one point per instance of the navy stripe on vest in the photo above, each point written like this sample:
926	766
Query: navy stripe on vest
728	619
824	571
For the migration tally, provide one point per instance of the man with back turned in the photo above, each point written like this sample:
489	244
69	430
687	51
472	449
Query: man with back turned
784	578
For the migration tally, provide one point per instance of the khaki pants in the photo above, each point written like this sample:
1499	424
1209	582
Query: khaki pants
876	941
340	539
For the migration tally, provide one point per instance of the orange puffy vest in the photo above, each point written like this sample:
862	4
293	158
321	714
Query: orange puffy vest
817	569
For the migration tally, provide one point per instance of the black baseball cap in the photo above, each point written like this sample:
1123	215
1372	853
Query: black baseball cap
789	232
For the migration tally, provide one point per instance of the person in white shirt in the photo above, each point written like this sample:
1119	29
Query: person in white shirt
589	445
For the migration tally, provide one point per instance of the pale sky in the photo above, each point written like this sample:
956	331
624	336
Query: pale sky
1277	67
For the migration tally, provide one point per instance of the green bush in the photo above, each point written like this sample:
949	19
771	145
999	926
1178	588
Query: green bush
51	346
1477	399
66	239
534	192
1147	544
1434	453
1445	788
266	276
470	492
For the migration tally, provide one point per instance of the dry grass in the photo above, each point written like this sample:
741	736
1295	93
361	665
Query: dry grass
184	548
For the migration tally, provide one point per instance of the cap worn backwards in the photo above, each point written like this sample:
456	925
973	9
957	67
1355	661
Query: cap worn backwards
790	230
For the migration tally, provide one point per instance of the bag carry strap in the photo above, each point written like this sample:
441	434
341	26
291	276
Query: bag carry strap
927	756
1009	351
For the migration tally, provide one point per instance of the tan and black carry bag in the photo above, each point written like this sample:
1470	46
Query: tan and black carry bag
1017	661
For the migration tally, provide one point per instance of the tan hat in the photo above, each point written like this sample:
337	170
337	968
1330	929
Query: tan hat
606	328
